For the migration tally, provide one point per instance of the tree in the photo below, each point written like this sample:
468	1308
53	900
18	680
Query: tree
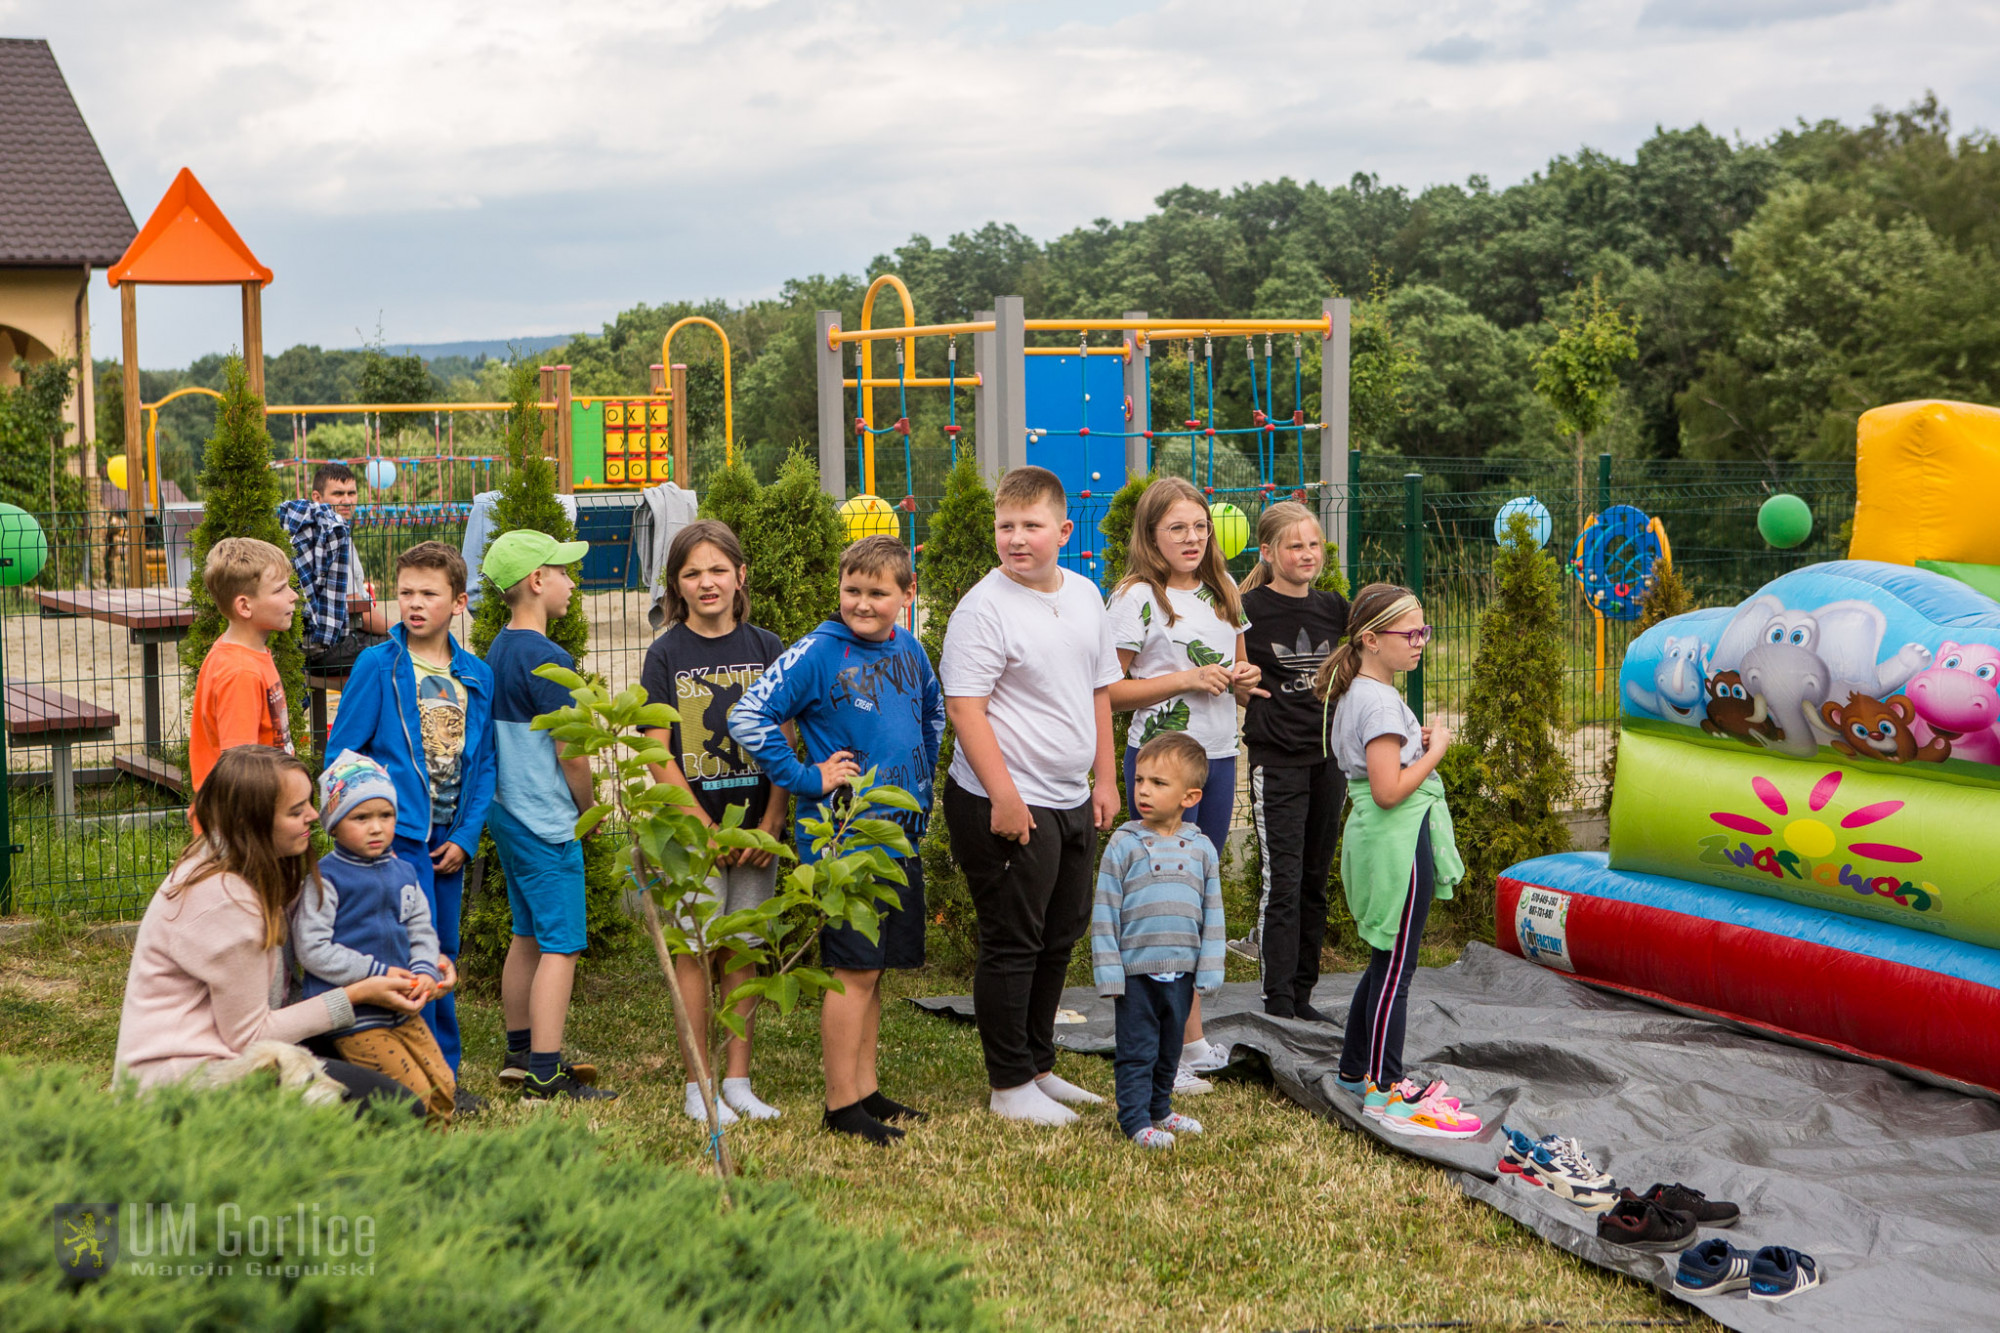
793	543
1116	526
1577	374
958	551
35	455
240	499
731	497
393	379
1511	773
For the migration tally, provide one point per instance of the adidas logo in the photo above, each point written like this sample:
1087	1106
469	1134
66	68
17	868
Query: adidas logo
1300	661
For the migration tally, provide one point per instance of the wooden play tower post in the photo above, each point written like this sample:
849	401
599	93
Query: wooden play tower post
187	242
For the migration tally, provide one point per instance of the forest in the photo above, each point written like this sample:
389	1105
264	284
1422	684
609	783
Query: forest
1777	289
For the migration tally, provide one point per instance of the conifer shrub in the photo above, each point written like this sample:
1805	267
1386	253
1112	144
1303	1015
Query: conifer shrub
528	500
1666	597
792	539
1507	773
536	1223
1116	526
731	497
240	498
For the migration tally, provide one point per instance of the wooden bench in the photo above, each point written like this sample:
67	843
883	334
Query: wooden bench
146	768
38	715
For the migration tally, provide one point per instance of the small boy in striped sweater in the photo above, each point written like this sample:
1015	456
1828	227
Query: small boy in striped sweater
1156	934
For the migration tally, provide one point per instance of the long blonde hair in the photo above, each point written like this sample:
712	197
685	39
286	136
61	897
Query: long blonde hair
1272	525
1144	562
234	811
1373	607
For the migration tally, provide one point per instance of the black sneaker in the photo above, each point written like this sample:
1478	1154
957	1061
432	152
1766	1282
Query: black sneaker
465	1103
562	1085
1681	1199
515	1068
1641	1224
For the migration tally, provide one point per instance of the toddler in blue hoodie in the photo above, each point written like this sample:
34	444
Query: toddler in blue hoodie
863	694
367	917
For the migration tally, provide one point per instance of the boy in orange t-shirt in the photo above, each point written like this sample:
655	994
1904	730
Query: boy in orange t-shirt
238	698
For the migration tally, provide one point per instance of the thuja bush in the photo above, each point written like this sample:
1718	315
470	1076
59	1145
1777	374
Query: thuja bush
528	500
1666	597
1508	773
522	1225
240	498
792	540
731	496
1116	527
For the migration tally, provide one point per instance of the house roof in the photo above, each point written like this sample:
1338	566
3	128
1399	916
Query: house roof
60	206
188	240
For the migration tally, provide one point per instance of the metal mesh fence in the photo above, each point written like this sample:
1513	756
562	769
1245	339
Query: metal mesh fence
97	699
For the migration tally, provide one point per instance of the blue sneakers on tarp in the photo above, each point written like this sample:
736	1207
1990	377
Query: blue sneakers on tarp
1779	1271
1711	1268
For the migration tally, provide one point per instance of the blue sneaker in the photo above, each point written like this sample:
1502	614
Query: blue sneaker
1711	1268
1779	1271
1515	1150
1358	1088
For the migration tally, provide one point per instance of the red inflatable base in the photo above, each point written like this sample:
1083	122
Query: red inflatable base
1848	1000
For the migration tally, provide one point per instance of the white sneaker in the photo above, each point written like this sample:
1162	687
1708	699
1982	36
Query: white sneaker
1210	1057
1028	1103
1187	1083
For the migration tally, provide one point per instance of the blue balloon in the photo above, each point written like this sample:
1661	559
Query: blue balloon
381	474
1539	521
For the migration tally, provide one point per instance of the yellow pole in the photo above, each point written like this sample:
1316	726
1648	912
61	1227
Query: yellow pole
728	388
867	371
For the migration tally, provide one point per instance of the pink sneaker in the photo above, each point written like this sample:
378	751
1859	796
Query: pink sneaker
1429	1117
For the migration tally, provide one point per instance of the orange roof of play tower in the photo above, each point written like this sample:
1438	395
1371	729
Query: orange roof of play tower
188	240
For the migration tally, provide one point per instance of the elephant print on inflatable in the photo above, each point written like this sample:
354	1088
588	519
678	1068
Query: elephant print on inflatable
1795	661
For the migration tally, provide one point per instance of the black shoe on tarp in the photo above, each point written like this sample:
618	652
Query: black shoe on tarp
1683	1199
1641	1224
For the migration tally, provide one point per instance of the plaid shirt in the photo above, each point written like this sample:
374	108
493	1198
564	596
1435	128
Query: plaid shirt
322	554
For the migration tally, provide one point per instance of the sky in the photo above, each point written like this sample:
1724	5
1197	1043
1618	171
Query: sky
444	170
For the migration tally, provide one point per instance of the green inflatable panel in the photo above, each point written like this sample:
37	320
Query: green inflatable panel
1873	841
1980	578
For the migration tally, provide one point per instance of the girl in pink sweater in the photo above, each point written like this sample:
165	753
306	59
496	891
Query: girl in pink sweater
209	970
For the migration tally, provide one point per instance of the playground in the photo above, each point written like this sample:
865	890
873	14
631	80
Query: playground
1785	876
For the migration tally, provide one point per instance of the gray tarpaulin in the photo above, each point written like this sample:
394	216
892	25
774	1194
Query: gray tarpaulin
1892	1185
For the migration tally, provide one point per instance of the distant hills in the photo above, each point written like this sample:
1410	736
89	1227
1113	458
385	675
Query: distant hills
473	350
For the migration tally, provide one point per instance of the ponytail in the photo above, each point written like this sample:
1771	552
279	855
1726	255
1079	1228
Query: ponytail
1272	525
1373	607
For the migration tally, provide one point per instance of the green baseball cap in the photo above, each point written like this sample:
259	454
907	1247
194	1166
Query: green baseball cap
515	555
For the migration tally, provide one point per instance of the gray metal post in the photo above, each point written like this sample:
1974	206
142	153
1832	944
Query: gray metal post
1010	399
1138	392
834	423
985	426
1334	496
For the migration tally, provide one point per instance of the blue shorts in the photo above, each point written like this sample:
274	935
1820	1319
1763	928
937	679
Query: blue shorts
544	883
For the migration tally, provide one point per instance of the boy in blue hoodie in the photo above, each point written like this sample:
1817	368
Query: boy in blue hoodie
864	696
422	707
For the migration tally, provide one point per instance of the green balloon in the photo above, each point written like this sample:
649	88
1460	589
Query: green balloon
1784	521
22	546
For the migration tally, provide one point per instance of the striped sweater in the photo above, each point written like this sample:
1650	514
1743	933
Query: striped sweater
1158	908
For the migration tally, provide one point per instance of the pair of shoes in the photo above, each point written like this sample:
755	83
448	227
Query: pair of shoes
1424	1112
515	1068
1773	1273
1187	1083
1641	1224
562	1086
1560	1166
1211	1057
1375	1097
1685	1199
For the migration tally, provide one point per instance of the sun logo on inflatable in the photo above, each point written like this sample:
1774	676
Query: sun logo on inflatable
1811	836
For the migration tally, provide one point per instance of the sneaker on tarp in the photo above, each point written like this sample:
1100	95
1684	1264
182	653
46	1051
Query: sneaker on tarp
515	1068
1682	1199
1712	1268
1570	1156
1429	1117
1516	1149
1355	1087
1779	1271
562	1087
1641	1224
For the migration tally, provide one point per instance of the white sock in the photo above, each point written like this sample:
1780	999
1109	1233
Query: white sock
696	1111
1062	1090
1028	1103
736	1093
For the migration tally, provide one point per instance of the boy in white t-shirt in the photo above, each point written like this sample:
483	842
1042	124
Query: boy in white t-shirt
1027	667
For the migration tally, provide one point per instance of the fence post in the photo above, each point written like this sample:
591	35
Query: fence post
1353	536
1138	394
1009	384
1603	482
1413	571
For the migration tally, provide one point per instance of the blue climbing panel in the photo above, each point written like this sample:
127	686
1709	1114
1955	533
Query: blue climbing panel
1092	467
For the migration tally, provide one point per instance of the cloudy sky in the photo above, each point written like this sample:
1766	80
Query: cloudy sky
501	168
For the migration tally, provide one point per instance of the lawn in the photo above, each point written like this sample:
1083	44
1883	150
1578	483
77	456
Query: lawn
1273	1219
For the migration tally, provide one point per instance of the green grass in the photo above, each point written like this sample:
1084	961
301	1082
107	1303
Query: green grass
1273	1219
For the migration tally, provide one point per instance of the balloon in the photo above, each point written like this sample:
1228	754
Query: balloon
1232	528
381	474
115	466
1784	521
1539	523
22	546
867	516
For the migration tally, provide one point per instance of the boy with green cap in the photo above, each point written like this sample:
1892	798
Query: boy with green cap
537	799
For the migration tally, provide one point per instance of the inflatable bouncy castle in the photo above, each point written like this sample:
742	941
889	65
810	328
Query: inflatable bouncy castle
1805	822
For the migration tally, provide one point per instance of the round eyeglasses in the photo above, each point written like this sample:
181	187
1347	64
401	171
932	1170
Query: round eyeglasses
1418	637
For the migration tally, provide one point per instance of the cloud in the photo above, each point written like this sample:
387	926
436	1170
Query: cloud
487	168
1735	15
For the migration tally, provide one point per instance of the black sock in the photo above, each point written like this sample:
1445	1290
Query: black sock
1279	1006
517	1041
1305	1010
886	1108
542	1065
855	1120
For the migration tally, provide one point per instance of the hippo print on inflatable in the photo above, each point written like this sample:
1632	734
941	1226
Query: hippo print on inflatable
1956	699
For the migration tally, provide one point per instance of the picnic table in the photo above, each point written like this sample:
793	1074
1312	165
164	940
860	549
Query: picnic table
37	715
153	615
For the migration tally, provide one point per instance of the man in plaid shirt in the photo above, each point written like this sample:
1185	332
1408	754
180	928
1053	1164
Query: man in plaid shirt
322	556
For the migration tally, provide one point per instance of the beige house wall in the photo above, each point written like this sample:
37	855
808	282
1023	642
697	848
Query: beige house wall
44	314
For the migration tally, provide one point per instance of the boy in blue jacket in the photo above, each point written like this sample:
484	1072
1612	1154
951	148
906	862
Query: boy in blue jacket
864	696
422	707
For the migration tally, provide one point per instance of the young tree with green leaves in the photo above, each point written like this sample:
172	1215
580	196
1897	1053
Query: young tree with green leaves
239	494
1577	374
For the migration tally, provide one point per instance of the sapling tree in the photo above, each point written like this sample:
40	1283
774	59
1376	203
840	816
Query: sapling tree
672	852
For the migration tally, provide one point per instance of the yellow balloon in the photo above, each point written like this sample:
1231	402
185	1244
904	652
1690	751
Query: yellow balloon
867	515
1232	528
115	465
